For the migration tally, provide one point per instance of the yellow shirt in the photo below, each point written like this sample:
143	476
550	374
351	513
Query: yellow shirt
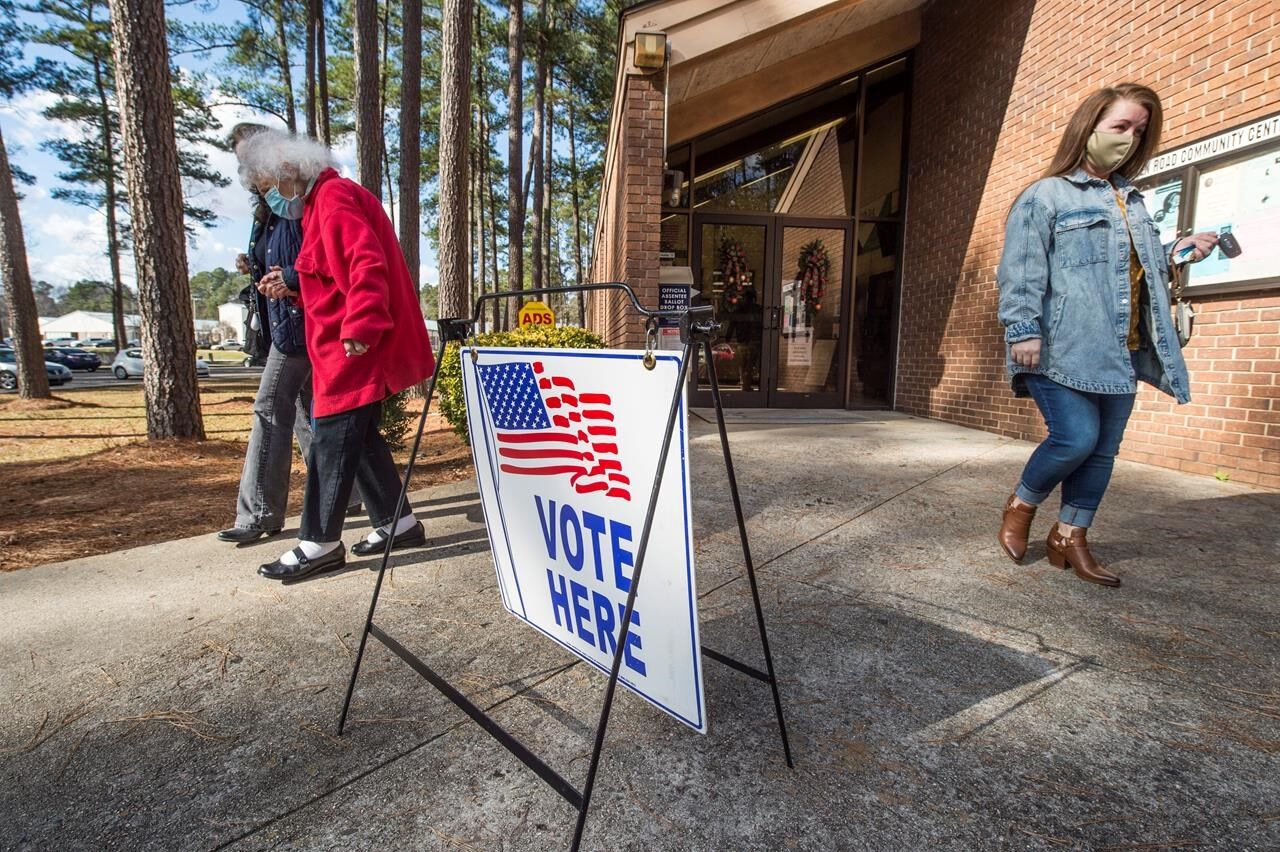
1136	277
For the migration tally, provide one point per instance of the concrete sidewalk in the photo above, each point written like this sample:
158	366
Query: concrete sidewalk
938	696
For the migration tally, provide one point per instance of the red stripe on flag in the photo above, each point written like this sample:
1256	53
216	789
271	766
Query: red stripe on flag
551	470
594	398
534	437
508	452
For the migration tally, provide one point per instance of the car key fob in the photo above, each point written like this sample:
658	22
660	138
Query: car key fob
1229	245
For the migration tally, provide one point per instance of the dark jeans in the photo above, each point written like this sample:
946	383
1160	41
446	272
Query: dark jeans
347	449
1084	436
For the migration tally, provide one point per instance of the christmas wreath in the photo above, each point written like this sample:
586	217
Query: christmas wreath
815	268
734	272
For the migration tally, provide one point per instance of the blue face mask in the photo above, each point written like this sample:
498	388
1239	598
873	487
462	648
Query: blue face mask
285	208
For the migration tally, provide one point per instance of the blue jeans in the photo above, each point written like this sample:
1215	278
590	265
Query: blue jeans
1085	430
281	410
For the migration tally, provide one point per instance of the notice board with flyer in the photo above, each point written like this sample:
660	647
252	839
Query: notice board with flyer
566	446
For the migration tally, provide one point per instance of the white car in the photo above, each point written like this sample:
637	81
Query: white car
58	374
128	364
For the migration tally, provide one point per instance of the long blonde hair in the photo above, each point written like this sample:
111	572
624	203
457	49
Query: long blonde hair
1071	149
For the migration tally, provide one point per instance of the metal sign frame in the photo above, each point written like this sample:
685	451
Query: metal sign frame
697	331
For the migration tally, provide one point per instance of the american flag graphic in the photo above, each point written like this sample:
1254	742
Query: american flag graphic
545	427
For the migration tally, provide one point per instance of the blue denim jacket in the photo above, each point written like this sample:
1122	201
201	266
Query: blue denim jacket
1064	278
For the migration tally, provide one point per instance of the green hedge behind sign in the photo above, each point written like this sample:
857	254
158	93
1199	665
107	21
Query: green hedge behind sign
449	373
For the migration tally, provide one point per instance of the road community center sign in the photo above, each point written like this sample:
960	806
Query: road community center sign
566	446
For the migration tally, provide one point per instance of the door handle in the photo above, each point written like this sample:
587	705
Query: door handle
775	318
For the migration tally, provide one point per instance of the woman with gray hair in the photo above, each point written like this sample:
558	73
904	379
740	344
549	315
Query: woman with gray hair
366	340
283	402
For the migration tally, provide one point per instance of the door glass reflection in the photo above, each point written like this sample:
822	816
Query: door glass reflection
812	270
732	281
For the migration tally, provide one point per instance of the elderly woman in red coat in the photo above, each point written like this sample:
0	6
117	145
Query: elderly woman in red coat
366	339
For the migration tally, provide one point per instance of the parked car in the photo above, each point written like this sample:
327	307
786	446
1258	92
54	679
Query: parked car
62	341
100	343
227	345
58	374
128	364
73	359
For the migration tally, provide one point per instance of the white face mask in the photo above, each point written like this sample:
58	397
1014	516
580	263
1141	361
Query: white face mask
1107	151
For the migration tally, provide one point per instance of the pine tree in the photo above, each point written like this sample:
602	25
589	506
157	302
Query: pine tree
455	125
33	381
140	49
94	171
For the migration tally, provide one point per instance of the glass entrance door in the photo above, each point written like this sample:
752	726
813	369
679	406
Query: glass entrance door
778	285
809	318
733	275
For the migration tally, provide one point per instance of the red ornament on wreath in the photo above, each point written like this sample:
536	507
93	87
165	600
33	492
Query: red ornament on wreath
815	269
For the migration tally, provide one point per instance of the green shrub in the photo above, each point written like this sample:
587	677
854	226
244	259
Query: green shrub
449	373
396	419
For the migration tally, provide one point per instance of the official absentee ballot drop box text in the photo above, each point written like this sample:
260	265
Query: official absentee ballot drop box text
566	446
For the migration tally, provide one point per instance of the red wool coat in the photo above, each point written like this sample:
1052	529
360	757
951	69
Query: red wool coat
355	285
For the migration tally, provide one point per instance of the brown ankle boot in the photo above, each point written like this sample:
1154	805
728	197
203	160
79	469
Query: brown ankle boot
1074	553
1015	528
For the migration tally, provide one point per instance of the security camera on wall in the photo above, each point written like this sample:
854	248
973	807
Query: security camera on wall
671	182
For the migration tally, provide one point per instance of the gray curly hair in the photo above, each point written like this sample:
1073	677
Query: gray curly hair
276	155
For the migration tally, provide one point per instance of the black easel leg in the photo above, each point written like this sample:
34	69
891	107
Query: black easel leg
631	597
746	547
386	553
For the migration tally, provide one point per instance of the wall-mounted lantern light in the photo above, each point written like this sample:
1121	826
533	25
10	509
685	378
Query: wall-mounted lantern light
651	51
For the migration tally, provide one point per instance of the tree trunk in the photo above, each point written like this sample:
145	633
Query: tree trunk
368	115
309	103
548	176
493	226
535	148
479	158
24	320
411	138
515	146
576	200
455	126
141	52
286	70
322	74
110	189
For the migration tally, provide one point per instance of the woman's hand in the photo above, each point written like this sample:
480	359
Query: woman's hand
1026	353
1203	244
354	347
272	285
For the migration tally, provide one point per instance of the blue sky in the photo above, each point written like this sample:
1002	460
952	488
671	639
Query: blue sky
66	242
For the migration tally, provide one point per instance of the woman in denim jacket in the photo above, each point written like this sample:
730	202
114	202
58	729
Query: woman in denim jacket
1085	304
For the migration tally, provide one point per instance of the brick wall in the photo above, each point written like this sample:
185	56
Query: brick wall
995	83
630	229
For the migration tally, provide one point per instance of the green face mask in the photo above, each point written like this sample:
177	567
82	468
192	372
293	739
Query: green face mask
1106	151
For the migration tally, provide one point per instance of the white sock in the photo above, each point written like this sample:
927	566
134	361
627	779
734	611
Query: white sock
403	525
311	550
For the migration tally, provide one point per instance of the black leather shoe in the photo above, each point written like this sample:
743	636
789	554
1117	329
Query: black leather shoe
244	535
415	536
305	567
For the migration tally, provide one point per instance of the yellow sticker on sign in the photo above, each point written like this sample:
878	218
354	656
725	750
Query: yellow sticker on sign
537	313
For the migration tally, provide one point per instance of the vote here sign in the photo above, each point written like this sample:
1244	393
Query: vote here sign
566	446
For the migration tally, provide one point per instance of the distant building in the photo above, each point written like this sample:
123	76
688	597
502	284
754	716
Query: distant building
87	325
84	325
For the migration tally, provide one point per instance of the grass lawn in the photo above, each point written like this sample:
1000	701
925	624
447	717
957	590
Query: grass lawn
81	477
